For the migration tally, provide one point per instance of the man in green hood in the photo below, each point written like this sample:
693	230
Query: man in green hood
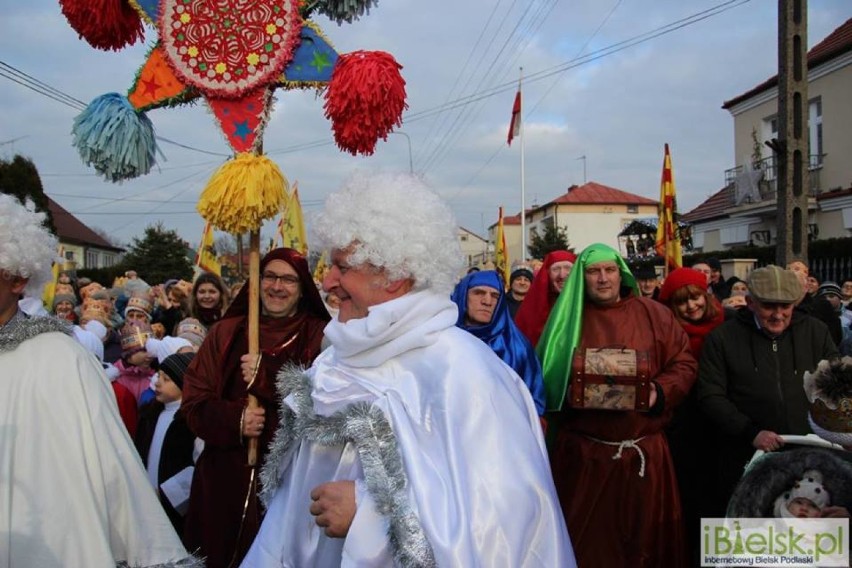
612	468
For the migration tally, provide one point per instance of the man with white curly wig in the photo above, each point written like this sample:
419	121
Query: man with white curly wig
74	490
408	442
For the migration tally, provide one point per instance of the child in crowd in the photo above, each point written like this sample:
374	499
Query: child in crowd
806	499
164	441
134	367
161	348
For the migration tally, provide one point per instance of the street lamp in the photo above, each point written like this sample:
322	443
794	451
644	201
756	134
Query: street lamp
410	161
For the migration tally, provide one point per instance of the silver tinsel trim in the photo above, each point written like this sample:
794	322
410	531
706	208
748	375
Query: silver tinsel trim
188	562
367	428
12	335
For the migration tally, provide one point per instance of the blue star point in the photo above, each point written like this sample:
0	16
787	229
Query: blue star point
242	129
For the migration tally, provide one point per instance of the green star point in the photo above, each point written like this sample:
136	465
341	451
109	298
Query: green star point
320	61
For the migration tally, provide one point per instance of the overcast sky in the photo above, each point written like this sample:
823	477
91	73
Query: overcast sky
617	109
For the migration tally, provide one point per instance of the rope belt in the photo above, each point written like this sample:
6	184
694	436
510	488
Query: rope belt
626	444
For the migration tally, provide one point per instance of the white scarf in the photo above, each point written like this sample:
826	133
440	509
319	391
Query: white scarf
390	329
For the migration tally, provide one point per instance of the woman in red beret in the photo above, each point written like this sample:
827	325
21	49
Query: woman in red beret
699	312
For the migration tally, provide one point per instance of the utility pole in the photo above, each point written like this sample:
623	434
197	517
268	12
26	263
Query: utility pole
792	154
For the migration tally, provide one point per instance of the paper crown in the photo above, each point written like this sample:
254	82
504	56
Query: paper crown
829	390
94	311
139	304
184	287
88	289
65	289
134	336
192	330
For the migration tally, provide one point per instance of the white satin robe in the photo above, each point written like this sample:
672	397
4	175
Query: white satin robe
73	491
478	477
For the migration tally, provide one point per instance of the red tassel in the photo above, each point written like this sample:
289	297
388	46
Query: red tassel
105	24
365	100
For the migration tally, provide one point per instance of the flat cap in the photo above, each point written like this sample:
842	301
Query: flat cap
774	285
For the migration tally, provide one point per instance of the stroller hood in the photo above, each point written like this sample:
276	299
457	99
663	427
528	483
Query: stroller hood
773	473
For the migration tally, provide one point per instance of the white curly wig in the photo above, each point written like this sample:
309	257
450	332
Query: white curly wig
394	222
27	249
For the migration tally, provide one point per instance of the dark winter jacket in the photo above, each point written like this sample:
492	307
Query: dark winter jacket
748	382
823	311
176	455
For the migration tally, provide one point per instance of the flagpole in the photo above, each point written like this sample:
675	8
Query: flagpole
523	179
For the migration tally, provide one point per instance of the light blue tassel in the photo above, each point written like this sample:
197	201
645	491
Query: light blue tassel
115	139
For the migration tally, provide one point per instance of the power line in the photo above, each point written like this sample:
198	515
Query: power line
42	88
502	88
582	60
159	169
518	41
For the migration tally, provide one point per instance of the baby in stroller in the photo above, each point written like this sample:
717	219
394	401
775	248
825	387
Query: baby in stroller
816	469
797	482
807	498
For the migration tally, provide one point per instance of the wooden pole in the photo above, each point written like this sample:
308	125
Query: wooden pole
254	323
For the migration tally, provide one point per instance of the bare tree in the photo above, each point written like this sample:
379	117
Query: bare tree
225	243
107	237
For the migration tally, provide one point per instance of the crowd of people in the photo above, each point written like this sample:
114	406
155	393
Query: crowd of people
581	414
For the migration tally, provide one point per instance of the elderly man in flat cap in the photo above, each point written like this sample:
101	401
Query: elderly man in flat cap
751	372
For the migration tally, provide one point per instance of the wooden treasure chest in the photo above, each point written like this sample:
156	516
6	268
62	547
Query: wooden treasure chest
607	378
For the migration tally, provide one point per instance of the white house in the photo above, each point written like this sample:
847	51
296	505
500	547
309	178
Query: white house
590	213
744	210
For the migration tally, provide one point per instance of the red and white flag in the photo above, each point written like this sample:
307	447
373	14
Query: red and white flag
515	125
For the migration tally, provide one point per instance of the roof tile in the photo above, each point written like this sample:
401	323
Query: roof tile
712	208
596	193
71	229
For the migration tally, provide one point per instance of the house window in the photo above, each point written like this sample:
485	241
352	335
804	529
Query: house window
91	259
815	131
464	238
633	209
770	131
108	260
69	255
734	235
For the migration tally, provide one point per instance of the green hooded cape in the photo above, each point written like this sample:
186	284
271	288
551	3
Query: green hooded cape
562	332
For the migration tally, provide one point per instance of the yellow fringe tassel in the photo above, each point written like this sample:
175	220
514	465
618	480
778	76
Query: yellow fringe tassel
242	193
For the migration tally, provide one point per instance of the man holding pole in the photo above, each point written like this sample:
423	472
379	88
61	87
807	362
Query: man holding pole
223	515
